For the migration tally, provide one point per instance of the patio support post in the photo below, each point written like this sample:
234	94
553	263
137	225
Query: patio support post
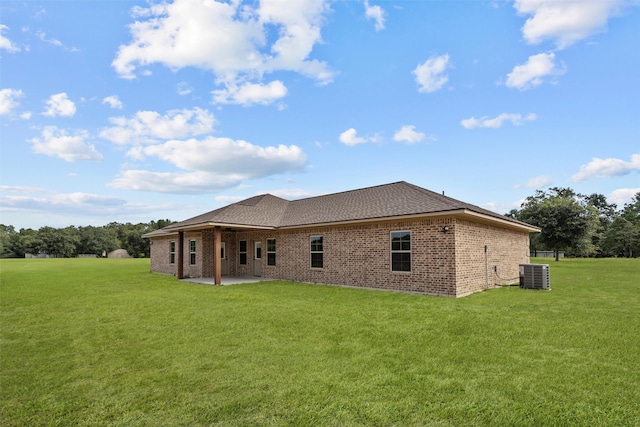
217	262
180	255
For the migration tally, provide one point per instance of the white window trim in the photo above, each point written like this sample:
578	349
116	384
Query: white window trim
316	252
272	252
391	252
245	252
172	252
193	252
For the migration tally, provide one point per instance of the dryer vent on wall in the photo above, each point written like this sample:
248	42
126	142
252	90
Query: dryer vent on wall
534	276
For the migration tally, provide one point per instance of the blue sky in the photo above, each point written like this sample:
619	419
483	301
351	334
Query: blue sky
132	111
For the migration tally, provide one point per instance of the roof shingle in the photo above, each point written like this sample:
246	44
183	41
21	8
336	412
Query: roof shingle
378	202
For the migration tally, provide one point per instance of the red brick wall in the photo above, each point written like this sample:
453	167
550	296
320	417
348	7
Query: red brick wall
476	269
360	255
448	263
160	255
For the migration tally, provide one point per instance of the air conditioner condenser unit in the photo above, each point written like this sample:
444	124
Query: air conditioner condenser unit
534	276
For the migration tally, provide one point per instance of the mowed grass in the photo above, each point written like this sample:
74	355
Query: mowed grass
105	342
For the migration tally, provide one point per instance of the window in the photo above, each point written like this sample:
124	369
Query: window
172	252
243	252
192	252
316	252
271	251
401	251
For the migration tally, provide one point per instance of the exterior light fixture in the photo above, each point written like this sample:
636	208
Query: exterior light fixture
445	228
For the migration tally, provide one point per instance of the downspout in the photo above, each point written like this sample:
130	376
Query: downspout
180	255
217	262
486	266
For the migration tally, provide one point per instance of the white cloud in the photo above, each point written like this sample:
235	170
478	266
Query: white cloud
623	195
350	137
496	122
184	89
113	101
502	207
227	38
5	43
59	143
174	182
431	75
376	13
149	126
536	182
250	93
9	100
225	155
60	105
42	36
62	202
210	165
565	22
60	207
21	189
409	134
299	24
607	168
533	72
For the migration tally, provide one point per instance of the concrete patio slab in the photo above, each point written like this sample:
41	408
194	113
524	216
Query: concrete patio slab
226	280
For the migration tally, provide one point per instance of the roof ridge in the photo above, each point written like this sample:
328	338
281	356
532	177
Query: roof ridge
258	197
350	191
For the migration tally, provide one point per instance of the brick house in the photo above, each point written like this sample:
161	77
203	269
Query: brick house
396	236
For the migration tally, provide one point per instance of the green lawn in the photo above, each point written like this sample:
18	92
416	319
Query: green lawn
105	342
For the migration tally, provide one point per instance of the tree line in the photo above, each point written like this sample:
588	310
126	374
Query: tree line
581	225
72	241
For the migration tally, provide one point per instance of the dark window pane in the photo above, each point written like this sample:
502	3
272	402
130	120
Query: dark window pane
271	251
258	253
316	244
243	258
243	246
401	261
316	260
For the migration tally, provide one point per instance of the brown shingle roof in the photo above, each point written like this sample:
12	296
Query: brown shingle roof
383	201
260	211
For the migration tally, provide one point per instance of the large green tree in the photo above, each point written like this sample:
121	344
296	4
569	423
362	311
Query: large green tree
97	240
623	236
605	213
60	242
6	233
564	221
